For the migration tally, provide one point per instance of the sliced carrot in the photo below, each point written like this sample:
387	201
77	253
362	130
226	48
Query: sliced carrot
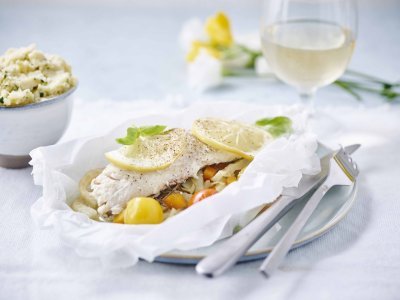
199	196
175	200
209	172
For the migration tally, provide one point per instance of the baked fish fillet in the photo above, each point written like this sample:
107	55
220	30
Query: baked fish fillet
114	187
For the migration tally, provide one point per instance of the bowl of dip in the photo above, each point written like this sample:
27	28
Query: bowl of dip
35	102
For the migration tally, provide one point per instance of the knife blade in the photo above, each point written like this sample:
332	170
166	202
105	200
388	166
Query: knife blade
236	246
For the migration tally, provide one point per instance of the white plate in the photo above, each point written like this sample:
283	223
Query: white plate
332	209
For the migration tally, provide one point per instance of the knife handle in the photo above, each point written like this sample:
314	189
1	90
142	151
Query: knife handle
235	247
284	245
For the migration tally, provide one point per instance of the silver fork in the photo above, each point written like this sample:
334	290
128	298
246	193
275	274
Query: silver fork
342	171
230	251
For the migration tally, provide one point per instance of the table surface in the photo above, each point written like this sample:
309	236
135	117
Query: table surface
130	51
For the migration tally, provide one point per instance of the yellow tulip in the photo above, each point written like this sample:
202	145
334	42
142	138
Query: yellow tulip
195	50
219	30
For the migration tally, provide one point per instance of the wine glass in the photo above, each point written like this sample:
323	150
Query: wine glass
308	43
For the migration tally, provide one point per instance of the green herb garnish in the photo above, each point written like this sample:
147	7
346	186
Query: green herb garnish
276	126
1	100
133	133
237	228
151	130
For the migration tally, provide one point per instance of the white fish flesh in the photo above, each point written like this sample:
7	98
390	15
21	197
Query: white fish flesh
114	187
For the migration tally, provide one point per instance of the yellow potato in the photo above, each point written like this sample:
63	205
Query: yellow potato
119	218
143	210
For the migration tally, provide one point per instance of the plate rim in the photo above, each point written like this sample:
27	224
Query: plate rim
338	217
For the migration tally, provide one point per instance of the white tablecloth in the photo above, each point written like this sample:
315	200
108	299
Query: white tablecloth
131	52
359	259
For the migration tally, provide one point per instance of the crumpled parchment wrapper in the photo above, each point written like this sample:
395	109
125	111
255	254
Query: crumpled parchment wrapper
59	168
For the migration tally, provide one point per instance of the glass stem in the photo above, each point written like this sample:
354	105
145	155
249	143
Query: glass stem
307	98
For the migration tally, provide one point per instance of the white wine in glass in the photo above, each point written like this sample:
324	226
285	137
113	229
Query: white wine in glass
308	43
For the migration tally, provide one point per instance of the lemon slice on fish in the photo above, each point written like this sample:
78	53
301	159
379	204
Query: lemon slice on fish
231	136
150	153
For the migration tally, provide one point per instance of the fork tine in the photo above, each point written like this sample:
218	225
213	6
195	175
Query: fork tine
346	163
351	149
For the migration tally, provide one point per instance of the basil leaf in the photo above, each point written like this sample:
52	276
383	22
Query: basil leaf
237	228
132	133
151	130
1	100
276	126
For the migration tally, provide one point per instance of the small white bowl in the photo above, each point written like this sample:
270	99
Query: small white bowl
27	127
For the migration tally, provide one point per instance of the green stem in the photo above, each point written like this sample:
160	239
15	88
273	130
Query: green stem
351	86
366	76
235	73
361	86
248	50
374	79
358	83
367	89
344	86
244	73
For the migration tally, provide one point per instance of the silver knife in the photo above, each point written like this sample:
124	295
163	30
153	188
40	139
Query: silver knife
342	171
235	247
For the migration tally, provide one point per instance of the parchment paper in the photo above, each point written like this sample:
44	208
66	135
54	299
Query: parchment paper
59	168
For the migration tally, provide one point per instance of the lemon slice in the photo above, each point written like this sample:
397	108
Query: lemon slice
231	136
150	153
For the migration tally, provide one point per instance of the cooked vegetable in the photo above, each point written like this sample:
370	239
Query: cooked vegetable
199	196
79	206
175	200
85	190
209	172
143	210
119	218
199	182
230	179
230	170
189	186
